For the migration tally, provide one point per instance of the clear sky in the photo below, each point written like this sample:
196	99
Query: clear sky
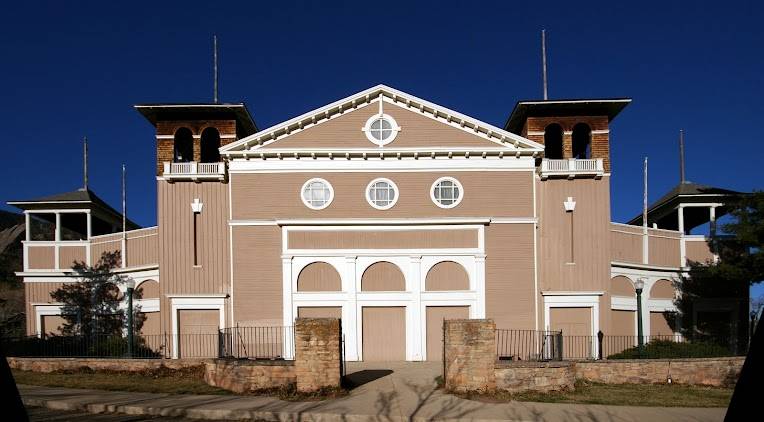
71	69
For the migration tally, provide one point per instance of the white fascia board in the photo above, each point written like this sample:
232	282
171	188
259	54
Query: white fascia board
572	293
390	95
424	164
623	303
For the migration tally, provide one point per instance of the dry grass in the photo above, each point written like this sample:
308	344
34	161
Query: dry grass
658	395
162	380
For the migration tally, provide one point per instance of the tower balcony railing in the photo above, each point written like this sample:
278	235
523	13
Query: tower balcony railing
193	170
572	167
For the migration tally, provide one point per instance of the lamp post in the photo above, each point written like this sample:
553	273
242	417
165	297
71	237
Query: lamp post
639	285
130	284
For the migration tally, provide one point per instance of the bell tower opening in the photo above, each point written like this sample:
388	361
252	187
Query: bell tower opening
582	141
553	141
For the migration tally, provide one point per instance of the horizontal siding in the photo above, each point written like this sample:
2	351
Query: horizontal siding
41	257
367	239
509	280
68	255
270	196
699	251
664	251
257	295
625	247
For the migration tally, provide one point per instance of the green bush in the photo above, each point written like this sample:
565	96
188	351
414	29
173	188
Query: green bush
665	349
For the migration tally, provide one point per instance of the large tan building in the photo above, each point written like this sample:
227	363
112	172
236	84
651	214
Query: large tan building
383	209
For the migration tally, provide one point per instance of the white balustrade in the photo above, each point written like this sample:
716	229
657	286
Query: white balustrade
194	170
572	167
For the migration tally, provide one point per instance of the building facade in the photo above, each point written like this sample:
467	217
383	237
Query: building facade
388	211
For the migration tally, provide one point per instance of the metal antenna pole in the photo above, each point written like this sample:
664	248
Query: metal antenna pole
543	62
644	198
124	218
681	156
215	67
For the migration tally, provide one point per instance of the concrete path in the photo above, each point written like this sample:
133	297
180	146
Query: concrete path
384	392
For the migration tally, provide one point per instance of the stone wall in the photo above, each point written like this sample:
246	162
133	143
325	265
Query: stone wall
536	376
698	371
470	355
72	364
244	376
317	353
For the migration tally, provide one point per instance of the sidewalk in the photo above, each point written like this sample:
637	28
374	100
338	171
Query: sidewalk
401	395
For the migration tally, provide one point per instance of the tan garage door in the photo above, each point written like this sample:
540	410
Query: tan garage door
384	334
576	326
435	317
52	324
198	332
319	312
660	324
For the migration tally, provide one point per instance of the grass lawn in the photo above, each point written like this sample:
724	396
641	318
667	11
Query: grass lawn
174	382
659	395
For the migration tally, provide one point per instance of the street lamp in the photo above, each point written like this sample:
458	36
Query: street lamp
130	284
639	285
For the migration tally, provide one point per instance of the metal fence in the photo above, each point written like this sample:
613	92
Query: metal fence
91	346
528	345
257	342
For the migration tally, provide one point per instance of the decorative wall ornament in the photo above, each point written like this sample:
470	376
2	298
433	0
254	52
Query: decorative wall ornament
570	204
196	206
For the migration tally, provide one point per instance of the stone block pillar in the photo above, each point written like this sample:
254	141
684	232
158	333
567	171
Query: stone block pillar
317	353
470	361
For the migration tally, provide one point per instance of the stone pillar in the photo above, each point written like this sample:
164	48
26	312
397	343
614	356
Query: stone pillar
470	361
317	353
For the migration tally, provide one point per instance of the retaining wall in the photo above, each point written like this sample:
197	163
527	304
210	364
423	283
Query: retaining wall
698	371
72	364
536	376
243	376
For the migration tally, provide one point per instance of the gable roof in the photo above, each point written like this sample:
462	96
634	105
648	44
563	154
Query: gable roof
500	137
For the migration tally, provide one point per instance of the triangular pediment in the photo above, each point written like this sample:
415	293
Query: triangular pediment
420	126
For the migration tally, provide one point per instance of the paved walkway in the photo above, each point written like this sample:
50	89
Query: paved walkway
384	392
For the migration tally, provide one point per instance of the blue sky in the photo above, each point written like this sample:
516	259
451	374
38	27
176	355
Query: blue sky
71	70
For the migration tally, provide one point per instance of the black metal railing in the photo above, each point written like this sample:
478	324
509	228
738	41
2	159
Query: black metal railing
153	346
529	345
257	342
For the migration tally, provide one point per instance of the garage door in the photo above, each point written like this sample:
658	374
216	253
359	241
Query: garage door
319	312
198	333
435	317
384	334
576	326
51	324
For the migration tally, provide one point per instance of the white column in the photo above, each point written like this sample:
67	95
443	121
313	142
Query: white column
288	315
712	231
682	244
418	312
28	224
350	310
89	235
58	239
479	286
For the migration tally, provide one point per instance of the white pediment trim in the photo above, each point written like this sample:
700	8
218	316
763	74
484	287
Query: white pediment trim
501	138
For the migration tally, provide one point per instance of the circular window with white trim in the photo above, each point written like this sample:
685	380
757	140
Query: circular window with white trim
382	194
446	192
317	194
381	129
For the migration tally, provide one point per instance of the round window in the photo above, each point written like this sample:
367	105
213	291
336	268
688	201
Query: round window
446	192
382	194
381	129
317	194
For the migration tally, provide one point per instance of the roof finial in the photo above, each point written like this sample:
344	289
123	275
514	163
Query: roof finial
543	61
681	157
85	162
215	67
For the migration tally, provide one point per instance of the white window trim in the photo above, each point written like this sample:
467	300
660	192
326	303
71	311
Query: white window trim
455	182
193	302
327	184
385	207
589	300
394	132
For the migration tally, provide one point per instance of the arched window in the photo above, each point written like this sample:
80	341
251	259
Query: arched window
447	275
183	146
553	141
319	277
582	141
210	143
383	276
